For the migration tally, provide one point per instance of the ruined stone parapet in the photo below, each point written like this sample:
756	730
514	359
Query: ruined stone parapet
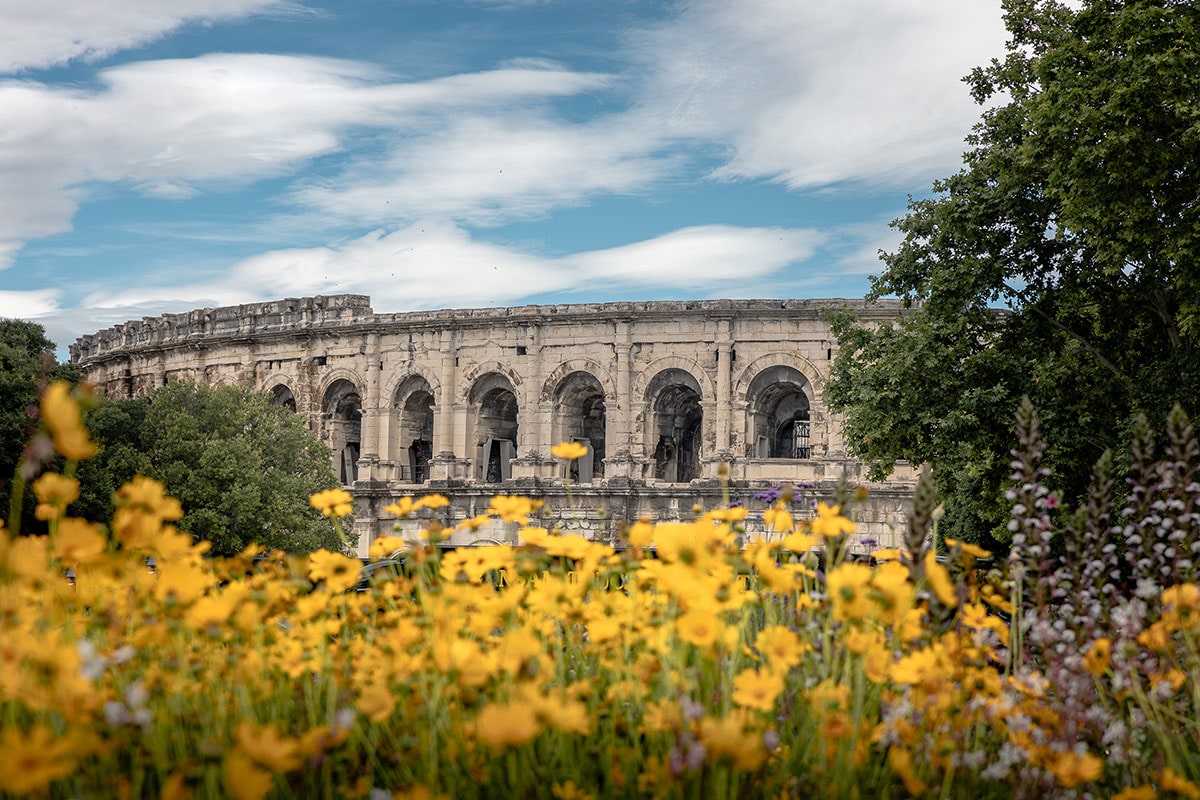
250	319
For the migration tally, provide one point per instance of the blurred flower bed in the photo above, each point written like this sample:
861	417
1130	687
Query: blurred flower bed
686	663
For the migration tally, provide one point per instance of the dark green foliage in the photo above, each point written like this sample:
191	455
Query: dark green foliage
1061	262
242	468
27	364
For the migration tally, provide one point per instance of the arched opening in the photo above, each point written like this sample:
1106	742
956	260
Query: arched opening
495	406
342	414
779	408
579	417
412	429
282	396
675	426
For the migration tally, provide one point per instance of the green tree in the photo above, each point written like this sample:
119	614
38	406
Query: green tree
1060	262
27	364
242	468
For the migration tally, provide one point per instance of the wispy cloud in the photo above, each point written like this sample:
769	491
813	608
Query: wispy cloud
437	264
813	94
28	305
213	123
49	32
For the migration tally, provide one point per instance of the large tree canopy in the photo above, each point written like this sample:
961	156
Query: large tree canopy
242	468
1061	262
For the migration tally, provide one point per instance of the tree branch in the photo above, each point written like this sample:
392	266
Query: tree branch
1130	386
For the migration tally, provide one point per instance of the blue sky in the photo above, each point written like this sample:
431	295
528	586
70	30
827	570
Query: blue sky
165	155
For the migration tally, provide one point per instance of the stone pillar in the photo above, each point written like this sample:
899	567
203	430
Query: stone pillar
368	459
445	407
724	401
445	466
619	420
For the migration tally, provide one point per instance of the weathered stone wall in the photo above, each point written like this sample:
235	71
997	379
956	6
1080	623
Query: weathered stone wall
667	396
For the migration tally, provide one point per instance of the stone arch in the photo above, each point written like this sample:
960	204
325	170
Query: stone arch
411	421
673	424
493	418
393	385
692	367
474	373
341	423
551	386
340	374
794	360
283	396
579	414
282	390
779	411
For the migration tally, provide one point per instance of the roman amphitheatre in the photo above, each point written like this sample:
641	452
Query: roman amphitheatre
679	404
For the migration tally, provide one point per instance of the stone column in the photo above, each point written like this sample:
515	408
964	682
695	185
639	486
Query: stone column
724	399
368	459
445	407
723	402
619	422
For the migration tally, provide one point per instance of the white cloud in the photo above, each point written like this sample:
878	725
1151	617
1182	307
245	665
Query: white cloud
28	305
866	240
230	118
489	169
49	32
814	93
698	257
439	265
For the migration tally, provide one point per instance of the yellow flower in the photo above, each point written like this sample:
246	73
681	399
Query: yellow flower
799	542
900	760
848	586
698	627
778	518
569	451
757	689
507	725
175	787
830	522
1072	768
780	647
265	745
533	535
970	551
376	701
338	571
54	493
727	738
61	413
243	779
433	501
149	494
32	760
915	667
78	541
1098	656
384	546
513	509
185	582
1171	781
333	502
939	579
640	533
402	507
